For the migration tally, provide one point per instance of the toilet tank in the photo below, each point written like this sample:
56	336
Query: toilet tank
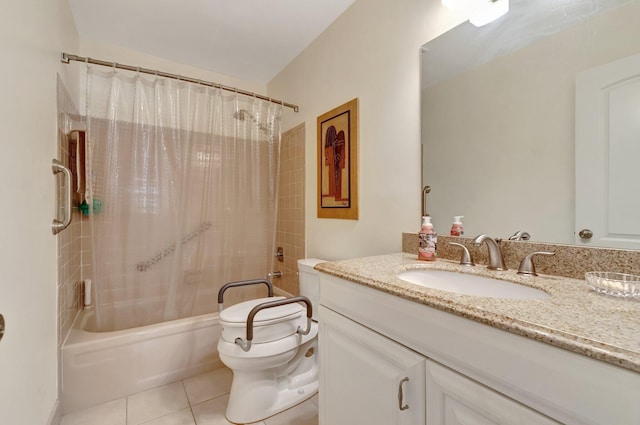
310	282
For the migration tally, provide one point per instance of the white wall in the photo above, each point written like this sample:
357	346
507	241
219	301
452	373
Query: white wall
371	52
32	34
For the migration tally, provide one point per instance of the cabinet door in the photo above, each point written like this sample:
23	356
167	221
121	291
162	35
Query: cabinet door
366	378
453	399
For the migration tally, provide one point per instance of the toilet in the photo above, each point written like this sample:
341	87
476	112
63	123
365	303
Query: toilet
274	360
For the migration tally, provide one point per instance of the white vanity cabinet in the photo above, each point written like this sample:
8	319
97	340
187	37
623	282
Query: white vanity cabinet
367	378
460	372
454	399
370	379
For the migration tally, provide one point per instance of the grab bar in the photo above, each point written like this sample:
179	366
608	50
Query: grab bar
246	344
425	190
59	225
242	283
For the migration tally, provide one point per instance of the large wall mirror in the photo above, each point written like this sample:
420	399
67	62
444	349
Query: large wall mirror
520	131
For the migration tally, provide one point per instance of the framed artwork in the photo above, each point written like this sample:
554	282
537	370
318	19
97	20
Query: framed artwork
338	162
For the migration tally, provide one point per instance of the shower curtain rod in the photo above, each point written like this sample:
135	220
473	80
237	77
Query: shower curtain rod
66	58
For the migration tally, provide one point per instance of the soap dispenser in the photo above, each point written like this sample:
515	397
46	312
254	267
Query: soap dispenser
456	227
427	241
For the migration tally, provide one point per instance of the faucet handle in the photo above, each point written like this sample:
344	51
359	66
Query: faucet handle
527	267
465	260
520	235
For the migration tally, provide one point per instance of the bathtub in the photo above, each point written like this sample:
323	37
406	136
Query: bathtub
101	366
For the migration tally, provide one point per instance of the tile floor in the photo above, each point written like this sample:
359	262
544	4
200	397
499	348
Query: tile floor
200	400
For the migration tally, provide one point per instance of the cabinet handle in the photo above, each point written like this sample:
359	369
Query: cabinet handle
401	395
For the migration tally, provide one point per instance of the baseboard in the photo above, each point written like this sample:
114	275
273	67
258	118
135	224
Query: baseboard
56	414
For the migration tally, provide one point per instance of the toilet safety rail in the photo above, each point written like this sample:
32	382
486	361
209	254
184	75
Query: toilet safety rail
245	344
241	283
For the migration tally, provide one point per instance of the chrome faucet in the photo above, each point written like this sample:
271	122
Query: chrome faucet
520	235
496	261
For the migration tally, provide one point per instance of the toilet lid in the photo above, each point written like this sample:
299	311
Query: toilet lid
238	313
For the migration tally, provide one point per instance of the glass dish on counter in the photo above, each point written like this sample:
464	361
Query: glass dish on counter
614	284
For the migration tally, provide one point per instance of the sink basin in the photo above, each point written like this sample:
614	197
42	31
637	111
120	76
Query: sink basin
468	284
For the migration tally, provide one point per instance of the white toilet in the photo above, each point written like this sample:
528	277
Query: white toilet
274	360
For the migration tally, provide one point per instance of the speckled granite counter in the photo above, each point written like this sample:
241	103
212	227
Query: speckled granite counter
574	318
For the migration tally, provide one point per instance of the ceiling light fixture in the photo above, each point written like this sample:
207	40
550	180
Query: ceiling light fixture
480	12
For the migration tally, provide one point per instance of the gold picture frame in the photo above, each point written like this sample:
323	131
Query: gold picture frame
338	162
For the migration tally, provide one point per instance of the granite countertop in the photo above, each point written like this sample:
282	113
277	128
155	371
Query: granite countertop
574	318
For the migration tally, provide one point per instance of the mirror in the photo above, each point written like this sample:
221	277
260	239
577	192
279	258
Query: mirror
498	114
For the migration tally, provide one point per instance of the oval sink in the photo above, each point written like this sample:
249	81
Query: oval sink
468	284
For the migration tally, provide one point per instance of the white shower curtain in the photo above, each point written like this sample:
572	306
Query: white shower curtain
183	194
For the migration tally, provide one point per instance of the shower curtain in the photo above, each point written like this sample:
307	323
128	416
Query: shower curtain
182	195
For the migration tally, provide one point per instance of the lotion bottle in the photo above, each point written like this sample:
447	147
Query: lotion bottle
456	227
427	241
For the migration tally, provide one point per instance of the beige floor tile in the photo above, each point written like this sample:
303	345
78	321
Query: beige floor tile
181	417
303	414
211	412
169	405
151	404
111	413
208	385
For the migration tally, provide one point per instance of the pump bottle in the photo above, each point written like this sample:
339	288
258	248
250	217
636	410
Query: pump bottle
427	241
456	227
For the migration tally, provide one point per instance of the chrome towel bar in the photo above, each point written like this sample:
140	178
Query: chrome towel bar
59	225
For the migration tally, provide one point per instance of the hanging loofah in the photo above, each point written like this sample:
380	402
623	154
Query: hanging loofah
84	207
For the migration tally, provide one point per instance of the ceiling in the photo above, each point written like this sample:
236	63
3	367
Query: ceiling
526	22
248	39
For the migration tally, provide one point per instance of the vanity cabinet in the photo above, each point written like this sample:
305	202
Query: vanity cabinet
454	399
459	371
370	379
367	378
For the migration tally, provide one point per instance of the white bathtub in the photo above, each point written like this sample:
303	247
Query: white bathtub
101	366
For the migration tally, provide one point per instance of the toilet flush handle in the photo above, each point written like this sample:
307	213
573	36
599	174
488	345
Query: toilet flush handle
245	344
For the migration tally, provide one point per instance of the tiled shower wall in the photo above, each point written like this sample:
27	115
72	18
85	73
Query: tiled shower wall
69	252
75	250
290	228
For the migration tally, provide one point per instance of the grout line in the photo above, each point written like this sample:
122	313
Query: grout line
193	416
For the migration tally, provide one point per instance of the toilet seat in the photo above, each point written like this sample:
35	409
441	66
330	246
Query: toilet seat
270	324
272	348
